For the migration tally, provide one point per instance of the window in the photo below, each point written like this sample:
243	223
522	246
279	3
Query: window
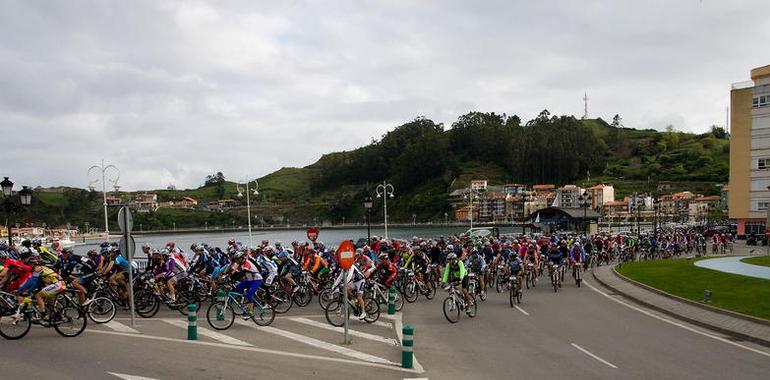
763	164
762	206
760	101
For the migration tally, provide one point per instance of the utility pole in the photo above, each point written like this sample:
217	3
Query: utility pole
585	105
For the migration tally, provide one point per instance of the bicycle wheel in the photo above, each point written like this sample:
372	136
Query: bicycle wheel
14	328
335	313
101	310
303	296
399	302
68	318
263	316
473	308
518	296
372	310
220	316
430	290
527	280
186	298
410	291
280	301
500	283
325	297
511	296
146	303
451	310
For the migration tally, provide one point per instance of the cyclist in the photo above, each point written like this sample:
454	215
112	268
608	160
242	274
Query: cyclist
577	256
354	281
15	273
386	270
44	277
269	269
476	264
251	279
364	263
168	272
316	265
455	271
513	268
81	270
46	257
288	268
554	257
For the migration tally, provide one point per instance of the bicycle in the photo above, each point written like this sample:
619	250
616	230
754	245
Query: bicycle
65	316
531	278
335	310
474	287
553	272
578	273
514	290
454	303
221	313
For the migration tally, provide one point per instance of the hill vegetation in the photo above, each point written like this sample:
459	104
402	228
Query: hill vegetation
424	161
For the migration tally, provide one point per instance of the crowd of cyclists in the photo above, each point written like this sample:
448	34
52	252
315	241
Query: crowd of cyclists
56	287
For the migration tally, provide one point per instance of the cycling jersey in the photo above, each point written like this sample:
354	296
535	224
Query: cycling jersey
456	271
270	269
554	256
79	266
475	264
22	272
387	272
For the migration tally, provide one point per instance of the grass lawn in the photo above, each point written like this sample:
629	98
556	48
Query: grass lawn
759	260
743	294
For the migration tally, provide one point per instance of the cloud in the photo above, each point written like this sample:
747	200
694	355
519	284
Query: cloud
172	91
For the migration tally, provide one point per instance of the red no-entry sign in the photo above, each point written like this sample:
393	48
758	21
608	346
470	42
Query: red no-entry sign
312	234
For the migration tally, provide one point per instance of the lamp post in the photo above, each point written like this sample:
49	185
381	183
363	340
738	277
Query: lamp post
385	191
585	201
446	218
655	208
103	170
368	203
25	198
248	204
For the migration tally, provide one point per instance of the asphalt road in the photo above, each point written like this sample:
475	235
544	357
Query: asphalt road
576	333
561	332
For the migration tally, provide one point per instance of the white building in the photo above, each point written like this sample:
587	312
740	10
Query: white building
568	196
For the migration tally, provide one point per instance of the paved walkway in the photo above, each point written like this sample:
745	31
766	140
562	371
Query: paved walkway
734	265
728	324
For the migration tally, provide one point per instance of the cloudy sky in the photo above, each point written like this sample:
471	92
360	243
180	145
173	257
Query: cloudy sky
172	91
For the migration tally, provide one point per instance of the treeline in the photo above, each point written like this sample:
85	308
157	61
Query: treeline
546	149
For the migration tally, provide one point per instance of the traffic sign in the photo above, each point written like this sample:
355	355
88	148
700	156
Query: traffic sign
312	234
125	219
127	248
346	254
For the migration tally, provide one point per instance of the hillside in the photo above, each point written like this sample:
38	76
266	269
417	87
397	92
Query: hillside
425	160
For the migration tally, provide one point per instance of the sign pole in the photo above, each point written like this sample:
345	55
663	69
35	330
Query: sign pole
130	257
345	304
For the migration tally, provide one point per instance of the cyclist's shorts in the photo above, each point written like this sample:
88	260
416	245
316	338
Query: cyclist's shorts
53	289
464	282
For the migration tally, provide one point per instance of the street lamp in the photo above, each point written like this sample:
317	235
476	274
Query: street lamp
368	203
585	201
25	198
446	218
248	204
656	208
385	191
103	169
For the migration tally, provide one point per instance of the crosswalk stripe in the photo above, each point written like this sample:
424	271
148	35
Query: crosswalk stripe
129	377
209	333
117	326
352	332
321	344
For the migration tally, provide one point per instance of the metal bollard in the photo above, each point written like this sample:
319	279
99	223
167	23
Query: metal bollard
192	322
392	301
220	310
407	347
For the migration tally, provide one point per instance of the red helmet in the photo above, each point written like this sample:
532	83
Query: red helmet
231	242
170	244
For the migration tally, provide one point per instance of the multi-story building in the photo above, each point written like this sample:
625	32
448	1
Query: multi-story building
515	206
750	152
479	185
543	189
462	215
492	207
146	202
514	188
701	207
676	207
600	195
568	196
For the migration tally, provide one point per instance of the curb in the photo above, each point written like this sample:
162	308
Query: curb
715	309
709	326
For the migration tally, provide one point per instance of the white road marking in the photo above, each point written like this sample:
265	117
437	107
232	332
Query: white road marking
688	328
209	333
399	324
521	310
352	332
593	356
323	345
129	377
255	349
415	378
117	326
383	324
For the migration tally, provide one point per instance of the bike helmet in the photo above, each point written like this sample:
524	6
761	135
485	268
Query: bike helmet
383	256
26	243
451	256
165	252
67	251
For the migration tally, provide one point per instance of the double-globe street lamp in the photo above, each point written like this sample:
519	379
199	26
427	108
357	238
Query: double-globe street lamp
255	191
104	169
25	198
584	200
385	191
472	194
368	203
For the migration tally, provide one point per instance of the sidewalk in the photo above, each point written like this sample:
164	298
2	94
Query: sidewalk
701	315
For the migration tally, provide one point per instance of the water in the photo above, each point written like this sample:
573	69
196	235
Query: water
328	237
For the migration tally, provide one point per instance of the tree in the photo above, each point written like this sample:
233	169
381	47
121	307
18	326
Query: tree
617	121
718	132
215	179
